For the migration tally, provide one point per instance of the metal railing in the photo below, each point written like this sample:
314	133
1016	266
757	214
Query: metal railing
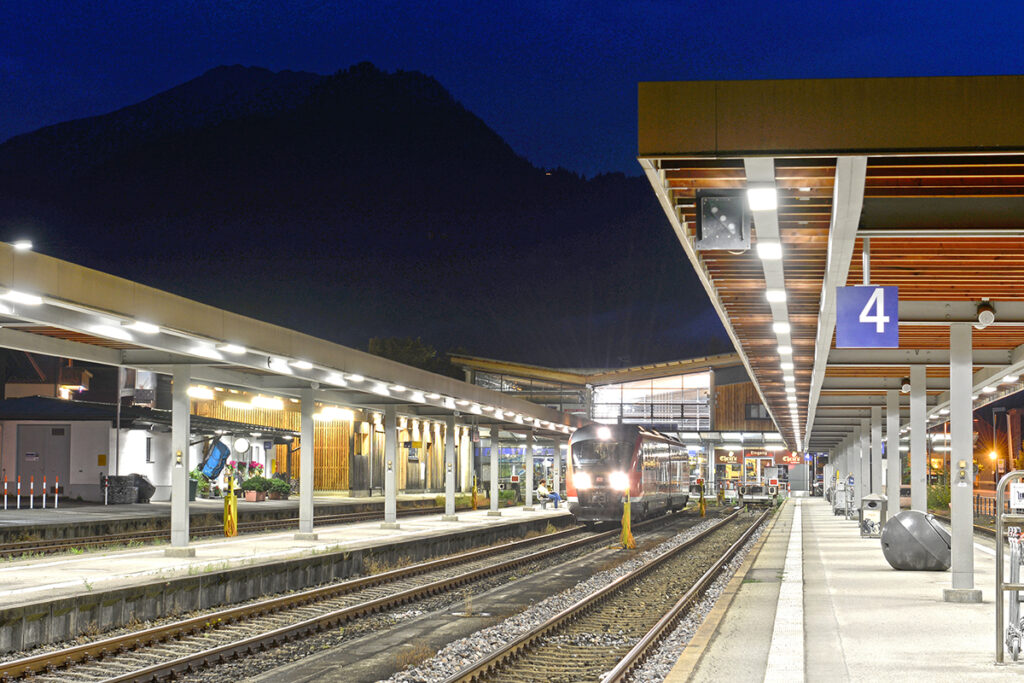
983	505
1012	638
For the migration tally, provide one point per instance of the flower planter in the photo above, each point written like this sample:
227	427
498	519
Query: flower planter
276	496
255	496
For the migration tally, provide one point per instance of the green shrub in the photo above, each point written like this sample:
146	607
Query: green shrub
280	487
203	484
938	498
256	484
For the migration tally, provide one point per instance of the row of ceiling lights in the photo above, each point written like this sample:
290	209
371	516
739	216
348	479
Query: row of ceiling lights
120	330
766	199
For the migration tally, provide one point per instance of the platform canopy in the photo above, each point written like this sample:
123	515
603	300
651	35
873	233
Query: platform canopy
56	308
924	175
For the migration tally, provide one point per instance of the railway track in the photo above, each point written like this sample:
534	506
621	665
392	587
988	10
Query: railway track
607	635
56	545
168	650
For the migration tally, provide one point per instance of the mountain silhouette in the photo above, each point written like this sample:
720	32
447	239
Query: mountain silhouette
361	204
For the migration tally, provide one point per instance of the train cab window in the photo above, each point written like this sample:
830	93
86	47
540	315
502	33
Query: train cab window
601	453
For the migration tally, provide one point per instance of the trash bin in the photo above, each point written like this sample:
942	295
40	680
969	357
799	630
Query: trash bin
872	515
193	485
915	541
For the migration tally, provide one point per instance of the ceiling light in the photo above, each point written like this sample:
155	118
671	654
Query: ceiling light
781	328
804	189
944	411
788	378
786	365
334	413
22	245
268	402
302	364
775	295
769	250
200	392
933	417
238	405
111	331
143	327
732	436
974	397
462	402
417	396
1009	379
988	390
355	378
205	351
905	385
785	350
433	397
279	365
397	387
233	349
380	389
22	298
762	198
488	408
336	379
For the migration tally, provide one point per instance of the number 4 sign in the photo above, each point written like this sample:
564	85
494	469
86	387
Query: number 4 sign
867	317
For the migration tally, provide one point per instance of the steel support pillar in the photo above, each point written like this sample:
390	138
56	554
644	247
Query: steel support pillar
307	450
894	470
528	460
449	469
390	468
876	449
961	480
918	438
863	486
495	454
180	429
556	469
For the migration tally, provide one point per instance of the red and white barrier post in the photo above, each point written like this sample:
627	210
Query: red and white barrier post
5	492
31	492
56	491
44	491
19	492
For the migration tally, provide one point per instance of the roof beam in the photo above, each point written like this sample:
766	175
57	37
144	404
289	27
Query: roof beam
52	346
867	383
847	201
838	358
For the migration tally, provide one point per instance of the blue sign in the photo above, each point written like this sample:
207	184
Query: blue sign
867	317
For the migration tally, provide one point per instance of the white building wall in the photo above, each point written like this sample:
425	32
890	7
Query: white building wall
89	440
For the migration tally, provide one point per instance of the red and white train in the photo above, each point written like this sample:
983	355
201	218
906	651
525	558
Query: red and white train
606	461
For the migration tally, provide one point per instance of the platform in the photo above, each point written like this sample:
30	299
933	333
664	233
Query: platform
819	603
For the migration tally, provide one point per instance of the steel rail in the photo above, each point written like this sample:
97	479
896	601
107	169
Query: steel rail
15	548
135	641
480	669
635	657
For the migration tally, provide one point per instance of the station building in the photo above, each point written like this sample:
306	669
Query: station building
708	402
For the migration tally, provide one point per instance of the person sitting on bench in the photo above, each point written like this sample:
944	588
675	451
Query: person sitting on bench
544	495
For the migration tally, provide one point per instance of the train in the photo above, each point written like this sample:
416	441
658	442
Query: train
606	461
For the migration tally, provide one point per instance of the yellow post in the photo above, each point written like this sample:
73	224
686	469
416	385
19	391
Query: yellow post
627	532
231	510
474	492
703	506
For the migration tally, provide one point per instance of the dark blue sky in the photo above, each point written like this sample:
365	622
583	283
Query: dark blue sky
556	79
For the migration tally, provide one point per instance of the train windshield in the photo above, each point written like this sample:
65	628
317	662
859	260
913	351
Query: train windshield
597	454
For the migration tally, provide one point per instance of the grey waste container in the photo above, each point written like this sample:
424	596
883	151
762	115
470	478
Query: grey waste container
915	541
872	515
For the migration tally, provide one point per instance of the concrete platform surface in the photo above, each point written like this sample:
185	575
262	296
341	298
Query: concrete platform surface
26	581
71	511
820	603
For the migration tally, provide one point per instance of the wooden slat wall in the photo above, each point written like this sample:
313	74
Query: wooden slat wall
730	408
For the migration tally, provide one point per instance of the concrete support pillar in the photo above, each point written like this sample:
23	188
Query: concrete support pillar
556	468
495	454
306	465
180	419
961	432
449	469
876	449
894	472
863	478
390	468
528	460
918	438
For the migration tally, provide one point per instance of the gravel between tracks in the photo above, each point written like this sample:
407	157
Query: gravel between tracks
461	653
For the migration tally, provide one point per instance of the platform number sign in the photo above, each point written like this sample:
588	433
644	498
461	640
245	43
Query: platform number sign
867	317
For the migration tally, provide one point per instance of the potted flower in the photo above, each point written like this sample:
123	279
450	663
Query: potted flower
279	489
255	469
255	489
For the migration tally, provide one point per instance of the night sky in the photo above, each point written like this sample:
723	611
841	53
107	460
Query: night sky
591	272
557	80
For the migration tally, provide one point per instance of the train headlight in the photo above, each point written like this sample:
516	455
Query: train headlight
581	480
618	481
604	433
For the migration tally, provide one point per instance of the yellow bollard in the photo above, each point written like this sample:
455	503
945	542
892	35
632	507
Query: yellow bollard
474	493
231	510
703	505
627	533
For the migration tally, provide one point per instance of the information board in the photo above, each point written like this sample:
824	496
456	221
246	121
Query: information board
867	317
1017	495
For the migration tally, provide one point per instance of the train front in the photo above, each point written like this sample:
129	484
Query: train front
600	470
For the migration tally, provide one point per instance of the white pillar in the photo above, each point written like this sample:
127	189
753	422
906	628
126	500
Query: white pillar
390	468
863	478
876	449
918	438
529	471
556	470
961	428
495	453
306	465
894	474
449	469
180	418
